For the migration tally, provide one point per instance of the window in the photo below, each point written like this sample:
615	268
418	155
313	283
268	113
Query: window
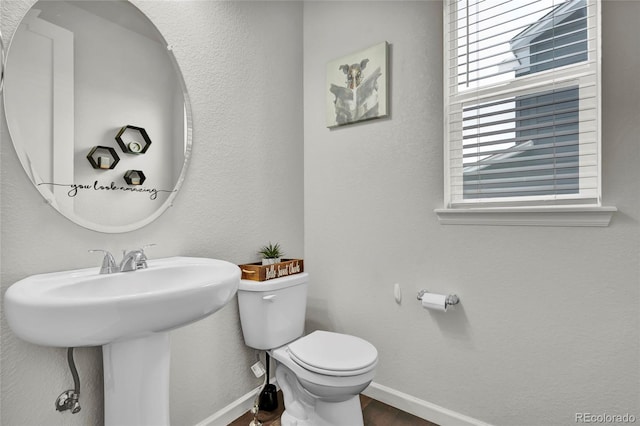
522	103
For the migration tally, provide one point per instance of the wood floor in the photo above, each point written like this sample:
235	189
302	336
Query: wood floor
375	413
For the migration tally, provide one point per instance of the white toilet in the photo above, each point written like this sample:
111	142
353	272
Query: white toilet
321	374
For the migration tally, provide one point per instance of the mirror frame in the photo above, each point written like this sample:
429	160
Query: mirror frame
188	142
1	62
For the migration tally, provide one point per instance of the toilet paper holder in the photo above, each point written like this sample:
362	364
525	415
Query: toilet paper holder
451	299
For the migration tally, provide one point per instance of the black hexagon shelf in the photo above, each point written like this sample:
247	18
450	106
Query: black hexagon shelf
103	157
134	177
136	140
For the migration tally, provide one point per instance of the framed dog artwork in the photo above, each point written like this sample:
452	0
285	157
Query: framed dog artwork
357	86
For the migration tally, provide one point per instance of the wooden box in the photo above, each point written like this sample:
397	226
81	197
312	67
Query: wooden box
259	272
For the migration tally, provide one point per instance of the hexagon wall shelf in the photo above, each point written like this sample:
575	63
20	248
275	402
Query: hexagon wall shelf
103	157
136	140
134	177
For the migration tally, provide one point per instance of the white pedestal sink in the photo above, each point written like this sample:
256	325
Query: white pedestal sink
129	314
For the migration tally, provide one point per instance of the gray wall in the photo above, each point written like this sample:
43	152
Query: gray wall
549	320
243	188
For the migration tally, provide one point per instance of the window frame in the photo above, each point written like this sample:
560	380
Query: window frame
556	210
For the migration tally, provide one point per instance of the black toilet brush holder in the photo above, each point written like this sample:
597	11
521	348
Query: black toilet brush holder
268	400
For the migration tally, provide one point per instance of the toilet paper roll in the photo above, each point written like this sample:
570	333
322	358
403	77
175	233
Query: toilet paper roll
436	302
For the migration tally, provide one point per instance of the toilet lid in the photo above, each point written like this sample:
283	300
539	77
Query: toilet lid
333	353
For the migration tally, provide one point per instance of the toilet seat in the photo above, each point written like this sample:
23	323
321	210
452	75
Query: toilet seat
333	354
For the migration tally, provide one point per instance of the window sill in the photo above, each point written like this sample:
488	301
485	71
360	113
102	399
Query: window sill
527	216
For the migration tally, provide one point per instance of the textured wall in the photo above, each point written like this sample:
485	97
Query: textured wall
242	63
549	320
528	346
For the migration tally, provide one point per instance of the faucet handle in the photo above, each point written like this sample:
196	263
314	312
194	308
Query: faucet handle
108	262
143	258
146	246
141	249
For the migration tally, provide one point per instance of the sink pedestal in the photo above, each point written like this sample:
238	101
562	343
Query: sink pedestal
136	381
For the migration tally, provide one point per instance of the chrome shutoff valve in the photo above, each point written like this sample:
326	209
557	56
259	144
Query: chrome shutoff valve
68	400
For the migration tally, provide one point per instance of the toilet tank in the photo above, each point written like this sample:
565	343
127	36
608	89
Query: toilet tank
272	312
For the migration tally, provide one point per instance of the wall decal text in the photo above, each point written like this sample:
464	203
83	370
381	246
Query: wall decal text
75	188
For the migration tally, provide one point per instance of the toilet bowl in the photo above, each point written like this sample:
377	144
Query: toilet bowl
321	374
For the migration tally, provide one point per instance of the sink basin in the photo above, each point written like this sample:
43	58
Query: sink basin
83	308
129	314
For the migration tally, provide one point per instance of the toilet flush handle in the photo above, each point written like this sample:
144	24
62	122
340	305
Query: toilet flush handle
269	297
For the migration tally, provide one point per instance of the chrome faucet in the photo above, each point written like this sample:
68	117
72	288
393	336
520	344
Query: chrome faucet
131	261
108	263
134	260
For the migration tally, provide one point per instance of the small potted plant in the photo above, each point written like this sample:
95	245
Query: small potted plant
271	254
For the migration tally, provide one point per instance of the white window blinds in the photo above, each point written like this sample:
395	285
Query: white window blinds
522	102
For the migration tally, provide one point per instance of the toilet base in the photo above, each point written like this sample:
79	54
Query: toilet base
345	413
302	408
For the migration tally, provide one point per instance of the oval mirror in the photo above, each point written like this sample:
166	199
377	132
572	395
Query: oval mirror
98	112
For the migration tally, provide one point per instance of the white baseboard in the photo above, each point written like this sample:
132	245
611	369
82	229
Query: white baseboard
402	401
232	411
235	409
419	408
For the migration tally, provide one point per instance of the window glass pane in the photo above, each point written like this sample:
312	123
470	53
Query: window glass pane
562	44
522	145
500	40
